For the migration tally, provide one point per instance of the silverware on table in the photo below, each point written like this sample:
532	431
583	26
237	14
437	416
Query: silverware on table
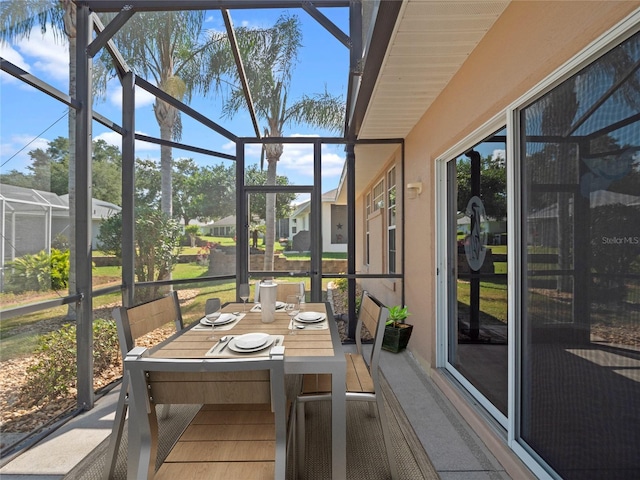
225	344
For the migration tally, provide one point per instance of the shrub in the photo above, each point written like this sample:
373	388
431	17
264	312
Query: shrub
55	371
60	242
41	271
341	283
157	246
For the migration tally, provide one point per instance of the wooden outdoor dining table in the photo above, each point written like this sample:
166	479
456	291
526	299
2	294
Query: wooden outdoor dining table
308	350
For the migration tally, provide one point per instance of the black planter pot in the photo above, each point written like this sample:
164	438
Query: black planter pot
396	338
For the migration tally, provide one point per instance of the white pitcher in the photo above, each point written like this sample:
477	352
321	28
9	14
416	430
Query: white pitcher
268	295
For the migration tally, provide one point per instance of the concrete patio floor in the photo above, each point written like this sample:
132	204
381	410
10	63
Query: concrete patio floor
455	450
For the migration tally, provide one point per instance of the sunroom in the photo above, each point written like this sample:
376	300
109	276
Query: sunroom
490	179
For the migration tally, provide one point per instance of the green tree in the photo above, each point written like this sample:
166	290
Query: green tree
258	205
107	172
147	190
218	185
49	170
201	193
269	57
157	249
17	19
493	186
166	48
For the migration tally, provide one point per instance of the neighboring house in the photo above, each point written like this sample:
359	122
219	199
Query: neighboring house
547	377
100	210
334	225
32	219
225	227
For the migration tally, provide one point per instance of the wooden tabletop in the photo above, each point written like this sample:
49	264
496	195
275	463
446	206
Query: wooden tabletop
195	343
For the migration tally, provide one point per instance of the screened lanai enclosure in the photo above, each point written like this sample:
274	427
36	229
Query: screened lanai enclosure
203	129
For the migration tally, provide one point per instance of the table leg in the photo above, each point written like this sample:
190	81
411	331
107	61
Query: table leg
338	426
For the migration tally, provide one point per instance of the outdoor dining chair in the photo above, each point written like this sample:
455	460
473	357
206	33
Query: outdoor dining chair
363	383
132	323
284	289
240	430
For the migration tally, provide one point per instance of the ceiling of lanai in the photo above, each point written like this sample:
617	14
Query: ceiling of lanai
429	42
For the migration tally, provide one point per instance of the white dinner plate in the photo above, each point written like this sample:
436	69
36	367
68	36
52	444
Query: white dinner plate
251	342
279	305
310	317
223	319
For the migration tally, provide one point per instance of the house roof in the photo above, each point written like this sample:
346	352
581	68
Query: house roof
301	209
32	201
23	199
225	221
99	208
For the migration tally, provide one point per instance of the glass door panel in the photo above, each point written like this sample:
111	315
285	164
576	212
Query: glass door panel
284	248
477	231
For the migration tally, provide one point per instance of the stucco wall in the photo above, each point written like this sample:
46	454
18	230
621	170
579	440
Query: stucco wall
526	44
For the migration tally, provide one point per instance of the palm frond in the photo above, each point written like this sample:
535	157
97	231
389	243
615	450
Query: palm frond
321	110
19	17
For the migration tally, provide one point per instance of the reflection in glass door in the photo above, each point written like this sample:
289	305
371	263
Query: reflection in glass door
477	259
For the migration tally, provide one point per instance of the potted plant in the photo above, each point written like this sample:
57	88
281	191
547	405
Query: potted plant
397	332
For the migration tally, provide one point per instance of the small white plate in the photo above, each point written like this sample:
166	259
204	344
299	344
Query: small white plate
251	342
279	306
223	319
310	317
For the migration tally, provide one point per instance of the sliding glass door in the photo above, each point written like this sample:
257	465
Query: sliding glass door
477	264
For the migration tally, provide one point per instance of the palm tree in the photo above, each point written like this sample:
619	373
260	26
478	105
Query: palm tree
269	56
166	48
17	19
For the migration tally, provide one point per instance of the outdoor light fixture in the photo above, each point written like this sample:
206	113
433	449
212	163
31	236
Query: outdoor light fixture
414	189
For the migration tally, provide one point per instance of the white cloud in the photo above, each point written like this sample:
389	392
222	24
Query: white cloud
17	148
114	94
296	161
47	53
499	153
115	139
229	147
10	54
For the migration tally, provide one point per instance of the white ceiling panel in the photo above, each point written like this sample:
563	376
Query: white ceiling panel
431	41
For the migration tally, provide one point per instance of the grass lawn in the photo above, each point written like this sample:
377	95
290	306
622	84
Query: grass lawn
493	298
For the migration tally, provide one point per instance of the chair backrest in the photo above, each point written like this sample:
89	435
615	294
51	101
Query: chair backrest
256	380
284	289
212	305
372	315
137	321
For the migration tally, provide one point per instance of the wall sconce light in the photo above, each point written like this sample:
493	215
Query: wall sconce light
414	189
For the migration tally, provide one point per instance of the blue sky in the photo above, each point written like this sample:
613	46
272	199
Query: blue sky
29	118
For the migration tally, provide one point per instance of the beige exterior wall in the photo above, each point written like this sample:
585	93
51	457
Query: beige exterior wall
526	44
388	291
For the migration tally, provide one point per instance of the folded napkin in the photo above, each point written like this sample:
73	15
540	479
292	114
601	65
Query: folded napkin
323	325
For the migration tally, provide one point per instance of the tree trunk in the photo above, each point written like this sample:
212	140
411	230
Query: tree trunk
165	114
273	154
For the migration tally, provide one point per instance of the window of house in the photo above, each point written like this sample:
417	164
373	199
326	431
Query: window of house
391	220
378	196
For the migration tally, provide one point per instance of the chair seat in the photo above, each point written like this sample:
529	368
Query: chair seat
223	442
361	378
358	378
